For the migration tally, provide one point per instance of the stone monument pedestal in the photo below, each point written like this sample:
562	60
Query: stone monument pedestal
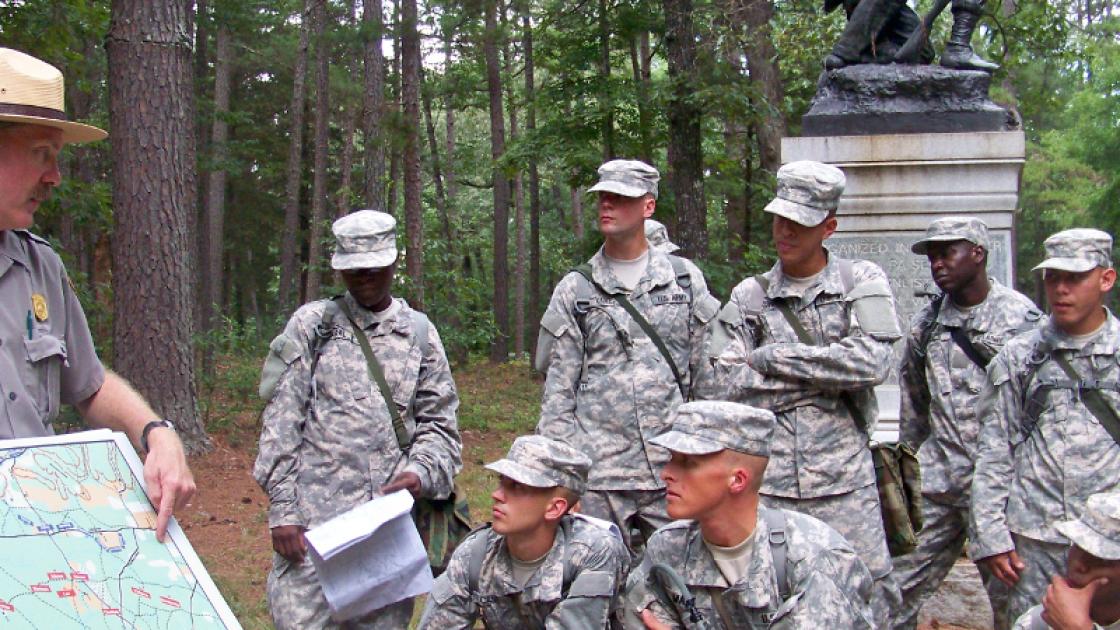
896	185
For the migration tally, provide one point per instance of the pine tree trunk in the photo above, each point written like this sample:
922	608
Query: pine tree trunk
499	349
685	154
640	67
410	101
151	113
289	253
373	129
605	106
322	129
762	64
533	313
216	195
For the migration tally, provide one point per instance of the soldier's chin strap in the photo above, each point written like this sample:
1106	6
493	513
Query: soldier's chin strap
661	572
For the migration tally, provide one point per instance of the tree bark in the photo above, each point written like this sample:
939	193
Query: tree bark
410	102
518	326
762	65
322	129
373	129
216	190
289	254
151	112
533	314
499	349
639	65
198	229
685	154
605	105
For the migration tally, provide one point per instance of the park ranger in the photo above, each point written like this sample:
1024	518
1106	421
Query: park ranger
620	342
537	565
948	347
746	565
47	355
1050	437
328	442
808	340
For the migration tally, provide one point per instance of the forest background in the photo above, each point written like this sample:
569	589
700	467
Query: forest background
239	129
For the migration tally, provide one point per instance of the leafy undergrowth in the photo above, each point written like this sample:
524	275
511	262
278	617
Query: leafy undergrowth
227	521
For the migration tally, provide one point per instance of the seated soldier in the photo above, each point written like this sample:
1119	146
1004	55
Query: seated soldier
734	563
1088	596
536	565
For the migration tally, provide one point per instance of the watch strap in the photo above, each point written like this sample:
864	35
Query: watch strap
154	424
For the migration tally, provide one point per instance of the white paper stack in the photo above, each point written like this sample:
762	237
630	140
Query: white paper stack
370	557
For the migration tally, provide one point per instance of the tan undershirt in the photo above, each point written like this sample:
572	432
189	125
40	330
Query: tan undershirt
732	561
522	571
628	272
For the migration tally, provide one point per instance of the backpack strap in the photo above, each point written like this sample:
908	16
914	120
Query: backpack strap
779	546
476	553
1089	392
585	271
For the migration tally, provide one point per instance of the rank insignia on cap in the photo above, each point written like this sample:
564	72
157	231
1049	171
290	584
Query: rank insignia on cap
39	307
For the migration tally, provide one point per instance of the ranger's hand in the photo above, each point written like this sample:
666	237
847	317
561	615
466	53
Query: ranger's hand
651	621
403	481
1067	608
288	541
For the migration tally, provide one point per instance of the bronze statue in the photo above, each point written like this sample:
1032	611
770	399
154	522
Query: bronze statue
886	31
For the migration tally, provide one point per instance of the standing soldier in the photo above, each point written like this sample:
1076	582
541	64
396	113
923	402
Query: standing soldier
948	347
730	562
1050	435
328	442
809	340
621	341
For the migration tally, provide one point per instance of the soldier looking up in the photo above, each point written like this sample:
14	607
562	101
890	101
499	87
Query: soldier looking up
1049	434
948	347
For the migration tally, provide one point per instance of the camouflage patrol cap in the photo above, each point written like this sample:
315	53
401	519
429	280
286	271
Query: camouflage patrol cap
629	178
1077	250
658	237
949	229
540	462
366	239
1098	529
807	192
710	426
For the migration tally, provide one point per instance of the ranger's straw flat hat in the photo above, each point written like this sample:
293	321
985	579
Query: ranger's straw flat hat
31	92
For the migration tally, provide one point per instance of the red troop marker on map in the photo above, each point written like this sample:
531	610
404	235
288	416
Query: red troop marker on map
111	611
79	577
141	592
66	592
168	601
40	588
56	575
6	607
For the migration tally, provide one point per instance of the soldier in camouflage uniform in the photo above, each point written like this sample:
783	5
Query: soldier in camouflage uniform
748	566
328	443
1088	596
822	392
658	237
1044	447
940	382
537	565
609	387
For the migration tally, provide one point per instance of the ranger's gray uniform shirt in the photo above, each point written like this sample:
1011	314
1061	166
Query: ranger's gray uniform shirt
56	363
628	393
817	449
315	465
828	584
596	562
939	403
1042	452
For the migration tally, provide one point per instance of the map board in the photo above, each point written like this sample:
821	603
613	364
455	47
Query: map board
78	546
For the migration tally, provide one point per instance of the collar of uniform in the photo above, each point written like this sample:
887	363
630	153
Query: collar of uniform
545	585
699	566
365	319
658	272
828	282
952	317
13	248
1106	342
753	591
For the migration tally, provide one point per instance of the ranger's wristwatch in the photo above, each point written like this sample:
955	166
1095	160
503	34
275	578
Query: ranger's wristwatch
154	424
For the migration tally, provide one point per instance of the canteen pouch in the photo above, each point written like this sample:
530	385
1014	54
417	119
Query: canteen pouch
443	524
899	499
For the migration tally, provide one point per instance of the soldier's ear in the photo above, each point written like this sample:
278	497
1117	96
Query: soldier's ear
739	480
557	507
